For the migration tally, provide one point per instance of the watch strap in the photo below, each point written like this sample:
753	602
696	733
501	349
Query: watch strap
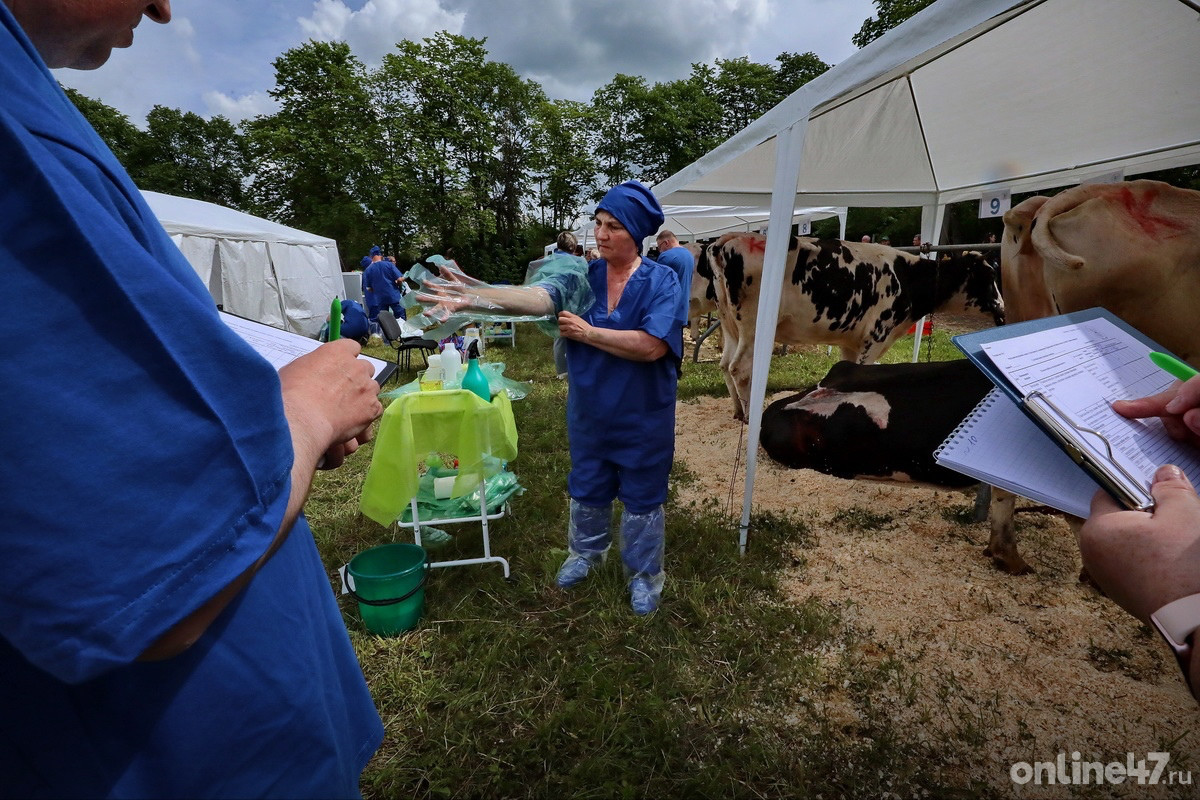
1178	620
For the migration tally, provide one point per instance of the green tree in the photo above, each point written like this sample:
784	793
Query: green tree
312	157
680	122
184	154
564	168
890	13
795	70
121	135
745	91
617	109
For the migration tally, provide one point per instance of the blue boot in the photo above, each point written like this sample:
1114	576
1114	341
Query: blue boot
588	539
642	545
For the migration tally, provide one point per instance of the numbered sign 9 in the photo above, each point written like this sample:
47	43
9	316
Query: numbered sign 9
995	204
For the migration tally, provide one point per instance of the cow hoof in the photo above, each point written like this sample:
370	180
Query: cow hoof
1012	563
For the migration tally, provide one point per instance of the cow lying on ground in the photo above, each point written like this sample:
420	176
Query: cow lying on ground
875	420
1133	248
860	297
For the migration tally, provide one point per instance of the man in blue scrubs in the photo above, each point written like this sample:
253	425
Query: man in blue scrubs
678	258
167	628
381	286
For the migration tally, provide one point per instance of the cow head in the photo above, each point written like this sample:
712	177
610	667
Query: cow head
1025	293
969	275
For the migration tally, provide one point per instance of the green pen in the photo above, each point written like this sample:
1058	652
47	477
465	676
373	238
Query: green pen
335	320
1172	365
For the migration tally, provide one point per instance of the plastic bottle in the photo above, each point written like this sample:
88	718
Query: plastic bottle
475	381
431	379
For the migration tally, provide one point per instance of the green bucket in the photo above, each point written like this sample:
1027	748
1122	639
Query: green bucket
388	582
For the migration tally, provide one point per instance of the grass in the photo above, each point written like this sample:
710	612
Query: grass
518	689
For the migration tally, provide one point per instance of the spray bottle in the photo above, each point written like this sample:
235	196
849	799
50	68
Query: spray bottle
475	381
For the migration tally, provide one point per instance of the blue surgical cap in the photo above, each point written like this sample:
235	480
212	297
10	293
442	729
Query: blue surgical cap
375	250
366	262
635	207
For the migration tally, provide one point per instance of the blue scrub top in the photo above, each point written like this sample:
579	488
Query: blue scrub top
380	279
354	320
613	402
680	259
162	474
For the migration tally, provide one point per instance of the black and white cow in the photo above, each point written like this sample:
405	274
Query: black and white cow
875	420
858	296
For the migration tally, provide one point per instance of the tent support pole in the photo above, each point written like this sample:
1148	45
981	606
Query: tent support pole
931	227
789	149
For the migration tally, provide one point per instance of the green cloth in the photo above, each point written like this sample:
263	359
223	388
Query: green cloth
416	424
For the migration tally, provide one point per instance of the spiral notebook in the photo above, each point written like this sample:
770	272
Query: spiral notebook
998	445
1049	432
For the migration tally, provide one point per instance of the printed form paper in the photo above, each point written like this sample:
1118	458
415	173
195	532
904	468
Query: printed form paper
1081	368
281	347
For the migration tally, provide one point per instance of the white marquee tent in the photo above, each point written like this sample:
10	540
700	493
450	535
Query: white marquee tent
967	99
253	267
690	223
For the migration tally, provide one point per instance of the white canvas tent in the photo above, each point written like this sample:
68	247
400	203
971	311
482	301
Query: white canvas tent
253	267
966	99
691	223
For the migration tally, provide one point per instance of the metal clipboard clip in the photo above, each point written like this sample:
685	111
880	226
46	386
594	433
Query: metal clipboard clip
1108	472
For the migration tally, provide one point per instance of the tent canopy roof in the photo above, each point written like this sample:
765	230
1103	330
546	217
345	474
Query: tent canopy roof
702	221
970	96
183	215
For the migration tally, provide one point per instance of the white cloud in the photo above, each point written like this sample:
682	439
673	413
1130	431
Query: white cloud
237	109
374	29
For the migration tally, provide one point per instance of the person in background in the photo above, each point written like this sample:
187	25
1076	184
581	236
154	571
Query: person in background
177	634
866	239
679	259
564	245
885	240
1149	562
625	353
368	294
591	255
354	323
382	287
578	249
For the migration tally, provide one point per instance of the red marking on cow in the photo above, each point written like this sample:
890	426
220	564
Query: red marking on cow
1138	209
757	245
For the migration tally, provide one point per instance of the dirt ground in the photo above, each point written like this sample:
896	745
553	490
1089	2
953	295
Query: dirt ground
1044	663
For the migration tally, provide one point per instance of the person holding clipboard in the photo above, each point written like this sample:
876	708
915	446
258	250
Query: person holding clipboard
1148	562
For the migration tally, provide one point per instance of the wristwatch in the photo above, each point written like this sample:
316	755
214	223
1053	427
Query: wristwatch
1177	621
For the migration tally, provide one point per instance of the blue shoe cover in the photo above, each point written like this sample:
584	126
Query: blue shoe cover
645	593
572	571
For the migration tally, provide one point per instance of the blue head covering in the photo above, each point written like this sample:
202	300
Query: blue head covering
366	262
635	207
375	250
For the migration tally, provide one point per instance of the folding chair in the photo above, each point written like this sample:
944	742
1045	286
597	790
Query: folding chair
404	345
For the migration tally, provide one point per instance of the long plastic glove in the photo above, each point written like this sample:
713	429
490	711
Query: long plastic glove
588	539
453	298
642	548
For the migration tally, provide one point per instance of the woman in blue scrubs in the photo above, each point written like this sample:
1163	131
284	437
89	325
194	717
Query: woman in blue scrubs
625	354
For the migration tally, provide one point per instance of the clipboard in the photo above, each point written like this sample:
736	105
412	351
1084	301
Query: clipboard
281	347
1088	448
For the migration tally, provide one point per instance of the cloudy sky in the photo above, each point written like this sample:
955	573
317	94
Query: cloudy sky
215	56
